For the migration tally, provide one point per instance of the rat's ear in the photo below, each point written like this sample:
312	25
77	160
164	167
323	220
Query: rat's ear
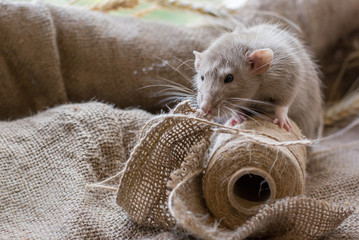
197	61
260	60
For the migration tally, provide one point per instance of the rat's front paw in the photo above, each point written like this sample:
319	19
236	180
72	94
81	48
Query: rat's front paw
281	117
235	120
283	122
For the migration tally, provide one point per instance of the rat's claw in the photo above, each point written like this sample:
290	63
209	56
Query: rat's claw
283	123
288	125
235	120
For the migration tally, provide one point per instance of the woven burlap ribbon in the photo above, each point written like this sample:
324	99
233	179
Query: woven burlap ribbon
162	149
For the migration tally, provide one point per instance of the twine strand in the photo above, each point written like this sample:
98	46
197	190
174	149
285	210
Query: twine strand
230	130
248	134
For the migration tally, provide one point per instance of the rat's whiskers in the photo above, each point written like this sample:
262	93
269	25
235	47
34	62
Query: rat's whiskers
251	101
236	112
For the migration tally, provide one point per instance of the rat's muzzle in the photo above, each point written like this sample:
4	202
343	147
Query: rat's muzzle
206	107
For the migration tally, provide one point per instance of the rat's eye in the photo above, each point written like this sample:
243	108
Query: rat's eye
202	77
229	78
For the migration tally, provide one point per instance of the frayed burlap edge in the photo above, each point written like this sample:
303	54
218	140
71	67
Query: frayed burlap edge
162	148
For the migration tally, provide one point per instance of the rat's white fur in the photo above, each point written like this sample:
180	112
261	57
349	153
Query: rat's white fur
292	79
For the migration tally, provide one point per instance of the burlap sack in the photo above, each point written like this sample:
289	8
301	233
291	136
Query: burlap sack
51	54
47	161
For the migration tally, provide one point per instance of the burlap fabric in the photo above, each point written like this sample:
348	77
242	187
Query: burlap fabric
51	55
49	161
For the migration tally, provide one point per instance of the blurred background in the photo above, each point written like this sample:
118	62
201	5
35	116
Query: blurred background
340	62
179	12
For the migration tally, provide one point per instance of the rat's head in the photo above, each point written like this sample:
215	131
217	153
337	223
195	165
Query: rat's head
228	72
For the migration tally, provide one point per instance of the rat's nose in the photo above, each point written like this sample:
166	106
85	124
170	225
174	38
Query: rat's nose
206	107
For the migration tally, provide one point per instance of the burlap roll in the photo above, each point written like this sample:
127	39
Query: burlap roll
242	175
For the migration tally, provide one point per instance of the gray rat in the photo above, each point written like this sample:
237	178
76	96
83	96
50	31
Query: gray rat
260	69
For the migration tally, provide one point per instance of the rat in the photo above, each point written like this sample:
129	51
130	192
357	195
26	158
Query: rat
260	69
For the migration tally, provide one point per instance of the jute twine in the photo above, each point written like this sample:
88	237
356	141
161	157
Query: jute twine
175	146
242	175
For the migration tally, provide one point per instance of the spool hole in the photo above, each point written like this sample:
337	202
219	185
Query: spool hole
249	191
249	188
252	188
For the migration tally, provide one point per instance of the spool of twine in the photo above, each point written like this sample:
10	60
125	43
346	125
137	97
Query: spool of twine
242	175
